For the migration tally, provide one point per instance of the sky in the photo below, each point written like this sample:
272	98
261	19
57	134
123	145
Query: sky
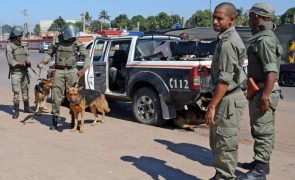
11	13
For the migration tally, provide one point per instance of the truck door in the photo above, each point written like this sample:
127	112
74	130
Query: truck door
97	73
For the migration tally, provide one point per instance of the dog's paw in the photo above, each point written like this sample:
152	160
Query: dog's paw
102	121
74	129
93	124
82	130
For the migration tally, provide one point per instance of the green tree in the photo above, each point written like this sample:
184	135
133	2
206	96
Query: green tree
121	21
287	17
57	24
276	19
152	23
200	18
79	24
103	15
141	20
37	29
164	21
87	18
94	25
242	17
6	28
176	19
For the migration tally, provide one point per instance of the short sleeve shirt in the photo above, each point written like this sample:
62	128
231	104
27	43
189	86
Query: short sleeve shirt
228	60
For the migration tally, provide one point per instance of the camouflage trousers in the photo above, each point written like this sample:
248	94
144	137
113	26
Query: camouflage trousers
263	127
61	80
20	82
224	134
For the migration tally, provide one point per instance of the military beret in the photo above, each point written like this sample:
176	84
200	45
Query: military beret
262	9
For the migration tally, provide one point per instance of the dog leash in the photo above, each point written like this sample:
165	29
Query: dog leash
40	69
34	71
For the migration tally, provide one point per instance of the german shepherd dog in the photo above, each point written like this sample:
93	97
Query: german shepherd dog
42	91
80	99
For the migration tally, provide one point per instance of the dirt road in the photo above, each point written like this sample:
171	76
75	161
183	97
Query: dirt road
122	148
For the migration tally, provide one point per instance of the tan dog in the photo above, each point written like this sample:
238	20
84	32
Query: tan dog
80	99
42	91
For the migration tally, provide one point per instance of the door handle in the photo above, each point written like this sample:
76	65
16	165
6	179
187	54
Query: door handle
98	73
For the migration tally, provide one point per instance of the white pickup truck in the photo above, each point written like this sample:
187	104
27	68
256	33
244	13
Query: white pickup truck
159	74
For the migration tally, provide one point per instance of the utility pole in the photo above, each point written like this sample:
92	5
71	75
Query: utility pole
26	24
1	34
84	21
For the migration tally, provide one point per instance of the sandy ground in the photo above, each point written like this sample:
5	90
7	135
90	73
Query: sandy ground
121	148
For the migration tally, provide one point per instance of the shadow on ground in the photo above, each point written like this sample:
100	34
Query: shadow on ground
191	151
7	109
156	168
46	119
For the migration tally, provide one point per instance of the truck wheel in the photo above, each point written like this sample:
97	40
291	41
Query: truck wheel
146	107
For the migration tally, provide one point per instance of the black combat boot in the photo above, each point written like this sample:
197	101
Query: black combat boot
16	111
54	124
252	164
257	173
27	108
72	120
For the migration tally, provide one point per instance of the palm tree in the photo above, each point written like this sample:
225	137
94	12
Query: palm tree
104	16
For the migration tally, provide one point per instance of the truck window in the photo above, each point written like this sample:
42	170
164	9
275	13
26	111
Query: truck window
98	52
147	49
118	53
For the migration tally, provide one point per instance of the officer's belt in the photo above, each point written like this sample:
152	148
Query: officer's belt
262	85
233	91
64	67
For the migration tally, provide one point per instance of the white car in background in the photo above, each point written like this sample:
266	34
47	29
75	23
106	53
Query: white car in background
44	47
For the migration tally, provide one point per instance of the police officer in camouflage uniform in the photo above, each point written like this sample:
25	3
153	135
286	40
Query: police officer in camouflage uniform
264	55
65	52
228	101
17	58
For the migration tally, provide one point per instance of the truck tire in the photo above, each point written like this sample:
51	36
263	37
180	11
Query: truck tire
146	107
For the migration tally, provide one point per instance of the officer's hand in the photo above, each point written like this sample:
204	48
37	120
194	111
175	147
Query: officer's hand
28	64
21	65
81	72
40	65
209	117
264	104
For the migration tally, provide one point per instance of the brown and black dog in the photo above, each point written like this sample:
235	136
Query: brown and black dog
42	91
80	99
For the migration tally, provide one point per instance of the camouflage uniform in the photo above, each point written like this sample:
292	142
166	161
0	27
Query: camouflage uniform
17	58
20	78
224	134
66	74
65	51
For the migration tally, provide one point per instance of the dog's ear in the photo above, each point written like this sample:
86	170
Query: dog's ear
67	89
75	85
81	88
50	79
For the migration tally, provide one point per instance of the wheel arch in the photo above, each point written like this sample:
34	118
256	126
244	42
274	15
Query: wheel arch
149	79
156	83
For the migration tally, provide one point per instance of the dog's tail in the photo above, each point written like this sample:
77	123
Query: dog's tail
106	104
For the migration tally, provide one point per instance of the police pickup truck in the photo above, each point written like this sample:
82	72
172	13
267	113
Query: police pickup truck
159	74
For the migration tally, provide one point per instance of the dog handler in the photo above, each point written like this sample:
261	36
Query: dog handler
65	50
17	58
